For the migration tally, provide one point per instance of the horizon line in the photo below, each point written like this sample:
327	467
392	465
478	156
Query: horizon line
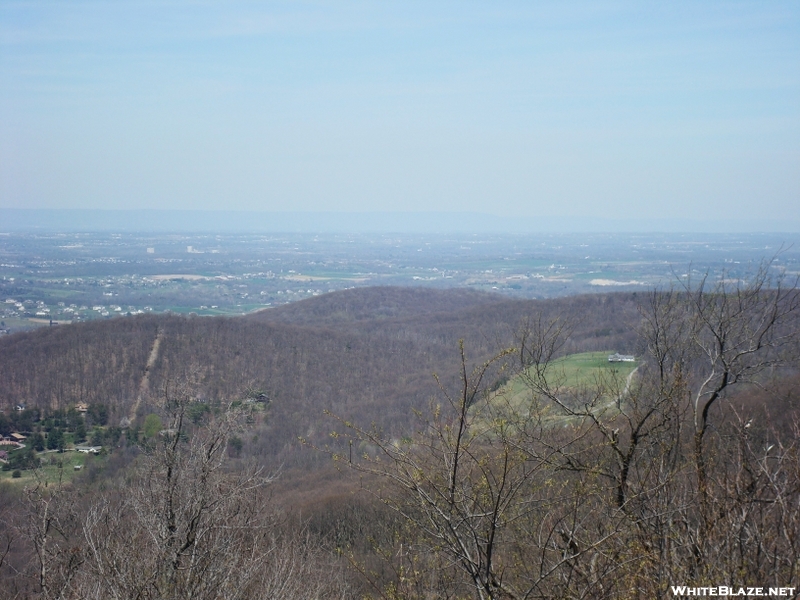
331	221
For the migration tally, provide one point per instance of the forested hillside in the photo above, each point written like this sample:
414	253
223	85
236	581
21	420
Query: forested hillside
368	353
384	443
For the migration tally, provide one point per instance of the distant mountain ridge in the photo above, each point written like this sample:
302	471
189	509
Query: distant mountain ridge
374	303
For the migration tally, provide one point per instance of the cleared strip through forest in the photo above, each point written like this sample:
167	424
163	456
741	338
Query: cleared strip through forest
145	383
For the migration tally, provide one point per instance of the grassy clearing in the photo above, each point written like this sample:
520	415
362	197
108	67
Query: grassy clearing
20	324
55	466
584	369
571	373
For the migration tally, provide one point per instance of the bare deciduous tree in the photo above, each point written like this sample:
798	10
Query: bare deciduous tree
189	527
52	517
737	333
479	498
182	524
609	489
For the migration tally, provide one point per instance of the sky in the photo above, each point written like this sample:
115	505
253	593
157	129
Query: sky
661	110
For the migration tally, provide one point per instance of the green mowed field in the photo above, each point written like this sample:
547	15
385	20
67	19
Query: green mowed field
575	371
585	368
55	466
20	324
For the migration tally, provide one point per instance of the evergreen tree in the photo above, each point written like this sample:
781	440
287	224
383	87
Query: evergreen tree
55	440
36	442
80	433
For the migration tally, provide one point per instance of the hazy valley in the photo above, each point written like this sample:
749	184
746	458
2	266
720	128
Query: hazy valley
72	277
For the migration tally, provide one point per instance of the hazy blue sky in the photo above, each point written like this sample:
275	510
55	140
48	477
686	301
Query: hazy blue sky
612	109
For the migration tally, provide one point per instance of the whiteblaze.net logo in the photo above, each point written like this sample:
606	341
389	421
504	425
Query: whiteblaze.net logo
684	591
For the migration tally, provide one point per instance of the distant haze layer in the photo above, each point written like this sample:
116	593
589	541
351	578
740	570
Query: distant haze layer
362	222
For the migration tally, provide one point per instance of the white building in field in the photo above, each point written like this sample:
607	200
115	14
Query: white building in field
617	357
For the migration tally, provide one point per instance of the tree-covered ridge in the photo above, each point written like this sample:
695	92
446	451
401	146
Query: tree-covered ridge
377	367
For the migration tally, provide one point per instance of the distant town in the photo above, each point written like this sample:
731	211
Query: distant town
47	279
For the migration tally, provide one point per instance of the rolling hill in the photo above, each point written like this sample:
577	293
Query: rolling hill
368	354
